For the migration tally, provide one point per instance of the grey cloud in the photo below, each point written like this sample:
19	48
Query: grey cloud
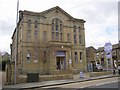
7	27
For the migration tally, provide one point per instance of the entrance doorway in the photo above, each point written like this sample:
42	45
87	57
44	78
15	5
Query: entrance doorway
60	62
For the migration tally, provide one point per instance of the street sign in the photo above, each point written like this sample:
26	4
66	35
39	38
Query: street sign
108	47
109	55
108	50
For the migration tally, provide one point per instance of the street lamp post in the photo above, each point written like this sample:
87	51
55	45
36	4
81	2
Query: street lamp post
16	46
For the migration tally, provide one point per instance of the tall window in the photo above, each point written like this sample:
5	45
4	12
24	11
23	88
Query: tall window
36	25
29	35
75	37
74	29
57	27
29	31
75	41
60	26
76	57
80	56
36	55
80	39
29	24
36	31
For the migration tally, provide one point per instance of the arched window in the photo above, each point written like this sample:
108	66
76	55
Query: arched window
57	26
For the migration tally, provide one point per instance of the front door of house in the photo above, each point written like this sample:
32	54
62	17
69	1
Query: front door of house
61	60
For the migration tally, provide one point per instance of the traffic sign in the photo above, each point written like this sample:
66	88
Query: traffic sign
108	47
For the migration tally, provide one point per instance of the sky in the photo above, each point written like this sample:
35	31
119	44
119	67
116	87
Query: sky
101	18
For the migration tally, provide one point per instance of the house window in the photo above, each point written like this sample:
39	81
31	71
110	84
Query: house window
29	35
75	41
74	29
53	25
97	55
60	26
80	55
29	24
35	55
28	55
36	31
56	25
36	24
75	37
76	57
80	39
29	31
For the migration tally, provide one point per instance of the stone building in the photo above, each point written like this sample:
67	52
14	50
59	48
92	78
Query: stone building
98	55
49	42
90	57
112	62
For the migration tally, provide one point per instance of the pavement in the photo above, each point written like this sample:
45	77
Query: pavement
76	78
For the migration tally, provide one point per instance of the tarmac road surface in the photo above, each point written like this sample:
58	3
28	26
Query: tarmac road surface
76	86
112	84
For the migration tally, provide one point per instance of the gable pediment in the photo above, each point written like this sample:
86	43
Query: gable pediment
56	10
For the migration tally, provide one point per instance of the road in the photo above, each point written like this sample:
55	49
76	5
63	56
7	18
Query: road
106	85
100	83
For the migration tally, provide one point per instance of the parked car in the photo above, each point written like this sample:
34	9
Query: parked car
99	67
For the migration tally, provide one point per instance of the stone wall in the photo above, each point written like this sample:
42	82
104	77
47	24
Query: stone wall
23	78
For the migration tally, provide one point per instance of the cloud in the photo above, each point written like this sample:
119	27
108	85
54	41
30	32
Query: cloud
5	45
101	22
100	15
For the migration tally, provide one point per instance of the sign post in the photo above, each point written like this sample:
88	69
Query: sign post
108	50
